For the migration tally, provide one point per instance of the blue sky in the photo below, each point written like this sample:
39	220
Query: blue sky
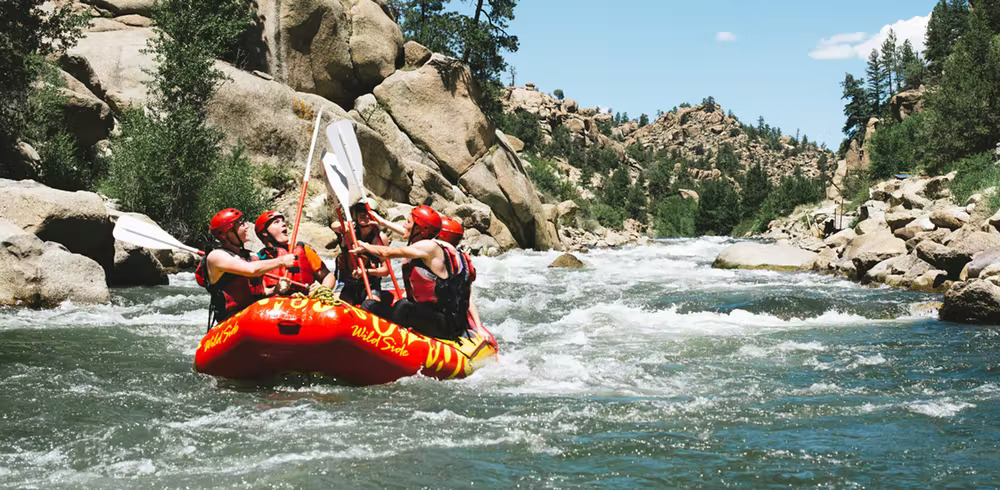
780	59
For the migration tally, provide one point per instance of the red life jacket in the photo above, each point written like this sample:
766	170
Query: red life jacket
449	296
232	292
303	271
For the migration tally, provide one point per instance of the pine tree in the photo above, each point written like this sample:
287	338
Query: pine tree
876	74
890	63
948	23
963	111
426	22
756	188
913	67
857	108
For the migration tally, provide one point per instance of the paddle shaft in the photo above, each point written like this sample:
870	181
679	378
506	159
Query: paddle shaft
305	179
392	274
355	261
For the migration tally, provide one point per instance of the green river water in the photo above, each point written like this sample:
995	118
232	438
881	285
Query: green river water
648	368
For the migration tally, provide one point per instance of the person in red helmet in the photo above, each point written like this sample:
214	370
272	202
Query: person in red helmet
350	285
437	279
309	269
230	273
452	232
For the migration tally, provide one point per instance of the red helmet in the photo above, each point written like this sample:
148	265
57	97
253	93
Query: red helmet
451	230
264	220
224	221
426	223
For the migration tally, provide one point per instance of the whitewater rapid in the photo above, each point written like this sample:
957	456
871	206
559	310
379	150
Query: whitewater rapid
647	367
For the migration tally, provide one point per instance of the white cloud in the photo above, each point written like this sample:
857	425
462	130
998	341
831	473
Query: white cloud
860	44
725	37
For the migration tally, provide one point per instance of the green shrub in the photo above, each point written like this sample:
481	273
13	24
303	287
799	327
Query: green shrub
675	217
561	144
278	177
606	215
524	126
897	148
229	185
974	174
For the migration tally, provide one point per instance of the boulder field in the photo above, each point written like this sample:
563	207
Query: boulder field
423	138
909	234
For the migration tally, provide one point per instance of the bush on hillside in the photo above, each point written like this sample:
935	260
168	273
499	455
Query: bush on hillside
897	148
975	174
675	217
523	126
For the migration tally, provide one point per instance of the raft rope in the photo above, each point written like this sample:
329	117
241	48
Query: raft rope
322	294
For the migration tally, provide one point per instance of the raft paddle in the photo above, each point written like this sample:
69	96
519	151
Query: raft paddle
337	184
305	180
349	153
147	235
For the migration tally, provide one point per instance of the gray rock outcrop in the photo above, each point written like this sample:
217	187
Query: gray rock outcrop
41	274
750	255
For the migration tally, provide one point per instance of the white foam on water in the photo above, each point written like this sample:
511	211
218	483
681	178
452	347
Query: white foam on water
940	408
184	280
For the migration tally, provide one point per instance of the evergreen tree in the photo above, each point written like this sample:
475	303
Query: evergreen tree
890	63
913	67
427	22
948	23
756	188
719	208
857	108
726	161
876	73
643	120
963	111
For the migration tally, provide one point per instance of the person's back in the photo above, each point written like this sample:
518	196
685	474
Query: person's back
436	280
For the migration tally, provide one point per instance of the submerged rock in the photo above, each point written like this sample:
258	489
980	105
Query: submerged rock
567	261
777	257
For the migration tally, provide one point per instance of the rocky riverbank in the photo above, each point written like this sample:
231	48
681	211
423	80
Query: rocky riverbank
909	234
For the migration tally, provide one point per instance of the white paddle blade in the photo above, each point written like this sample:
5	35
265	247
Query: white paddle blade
350	140
146	235
342	161
336	182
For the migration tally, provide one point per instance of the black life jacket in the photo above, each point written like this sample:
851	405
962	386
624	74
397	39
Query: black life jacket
449	296
232	292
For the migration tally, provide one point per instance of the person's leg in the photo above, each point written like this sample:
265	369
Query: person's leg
420	318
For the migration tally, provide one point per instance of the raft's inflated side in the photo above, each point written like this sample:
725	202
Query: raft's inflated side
280	335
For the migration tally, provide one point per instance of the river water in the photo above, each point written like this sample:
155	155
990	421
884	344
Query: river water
648	368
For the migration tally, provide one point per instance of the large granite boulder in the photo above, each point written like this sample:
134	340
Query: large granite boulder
975	301
135	266
436	106
41	274
751	255
980	262
77	220
120	72
942	257
335	49
124	7
498	181
85	117
869	249
567	261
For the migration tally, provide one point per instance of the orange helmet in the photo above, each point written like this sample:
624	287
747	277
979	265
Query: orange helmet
426	223
451	230
264	220
224	221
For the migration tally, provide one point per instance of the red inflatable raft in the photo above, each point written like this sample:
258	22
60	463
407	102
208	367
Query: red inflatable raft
282	335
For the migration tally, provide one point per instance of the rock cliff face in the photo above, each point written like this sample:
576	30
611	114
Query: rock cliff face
422	135
691	132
